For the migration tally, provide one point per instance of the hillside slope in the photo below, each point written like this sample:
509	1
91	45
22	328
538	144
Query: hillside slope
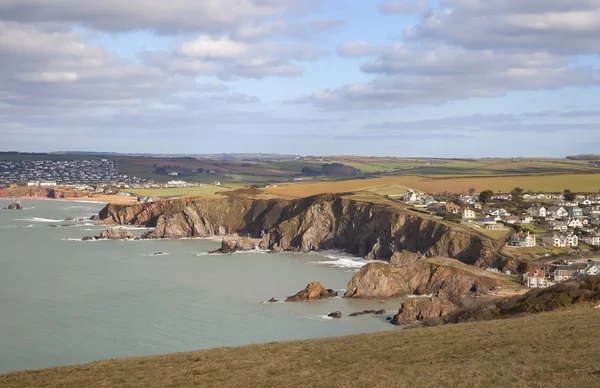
546	350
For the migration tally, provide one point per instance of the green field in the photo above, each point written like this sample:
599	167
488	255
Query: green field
178	191
556	349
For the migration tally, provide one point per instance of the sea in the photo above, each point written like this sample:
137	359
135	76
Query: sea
65	301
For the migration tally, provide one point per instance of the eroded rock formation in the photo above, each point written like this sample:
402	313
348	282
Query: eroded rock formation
313	291
322	222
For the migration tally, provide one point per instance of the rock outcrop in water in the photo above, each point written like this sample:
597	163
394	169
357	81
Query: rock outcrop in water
321	222
15	206
442	282
231	245
313	291
112	234
430	276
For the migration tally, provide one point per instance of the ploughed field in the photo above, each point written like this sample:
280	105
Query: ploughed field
549	349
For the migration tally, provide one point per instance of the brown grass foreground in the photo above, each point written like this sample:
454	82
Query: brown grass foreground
557	349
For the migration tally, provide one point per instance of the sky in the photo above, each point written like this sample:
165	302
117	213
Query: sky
446	78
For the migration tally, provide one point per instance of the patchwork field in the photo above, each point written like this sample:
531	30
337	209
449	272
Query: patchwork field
399	184
545	350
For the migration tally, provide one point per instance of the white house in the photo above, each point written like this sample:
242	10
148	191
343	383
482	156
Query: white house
562	226
522	240
592	269
557	212
537	211
526	220
410	196
562	240
467	214
574	223
535	279
510	219
499	212
564	272
593	240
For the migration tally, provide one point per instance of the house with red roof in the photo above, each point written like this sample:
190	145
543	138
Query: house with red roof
536	279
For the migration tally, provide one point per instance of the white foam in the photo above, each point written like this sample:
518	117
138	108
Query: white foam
419	296
128	227
36	219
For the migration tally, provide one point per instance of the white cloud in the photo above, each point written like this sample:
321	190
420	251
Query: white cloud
403	6
229	59
163	16
564	27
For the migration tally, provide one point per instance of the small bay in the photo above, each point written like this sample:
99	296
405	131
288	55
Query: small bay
65	301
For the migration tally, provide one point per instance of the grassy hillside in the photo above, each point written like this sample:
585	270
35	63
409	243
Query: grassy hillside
546	350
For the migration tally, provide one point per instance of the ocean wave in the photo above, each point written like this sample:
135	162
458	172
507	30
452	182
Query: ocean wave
419	296
129	227
37	219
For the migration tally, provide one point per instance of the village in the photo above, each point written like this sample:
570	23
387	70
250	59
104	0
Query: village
555	232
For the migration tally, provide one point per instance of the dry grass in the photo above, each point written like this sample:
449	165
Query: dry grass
555	349
536	183
398	184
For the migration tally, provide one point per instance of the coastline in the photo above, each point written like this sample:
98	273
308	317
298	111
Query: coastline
104	199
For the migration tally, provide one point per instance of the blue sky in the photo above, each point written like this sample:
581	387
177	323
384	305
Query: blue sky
454	78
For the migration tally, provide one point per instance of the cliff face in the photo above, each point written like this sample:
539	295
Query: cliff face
445	278
39	192
321	222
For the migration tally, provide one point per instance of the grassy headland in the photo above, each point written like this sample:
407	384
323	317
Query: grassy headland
556	349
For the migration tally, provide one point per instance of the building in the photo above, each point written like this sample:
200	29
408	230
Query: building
451	208
593	240
574	223
499	212
564	272
557	212
575	212
467	214
537	211
511	219
592	269
484	221
522	240
562	240
410	196
495	226
535	279
526	220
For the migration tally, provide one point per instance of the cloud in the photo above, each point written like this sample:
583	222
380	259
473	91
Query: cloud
406	77
563	27
359	49
403	6
228	59
161	16
55	67
265	29
471	49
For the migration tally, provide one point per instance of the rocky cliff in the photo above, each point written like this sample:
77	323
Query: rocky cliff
442	277
324	222
39	192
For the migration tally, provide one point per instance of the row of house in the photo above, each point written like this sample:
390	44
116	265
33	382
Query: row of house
559	273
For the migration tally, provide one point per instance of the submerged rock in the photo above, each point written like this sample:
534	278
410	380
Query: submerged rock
368	312
335	314
15	206
230	245
272	300
89	238
313	291
115	234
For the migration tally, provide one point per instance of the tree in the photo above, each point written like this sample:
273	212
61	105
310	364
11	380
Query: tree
517	194
472	191
568	195
486	196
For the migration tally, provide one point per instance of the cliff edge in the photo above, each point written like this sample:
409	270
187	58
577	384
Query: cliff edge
321	222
